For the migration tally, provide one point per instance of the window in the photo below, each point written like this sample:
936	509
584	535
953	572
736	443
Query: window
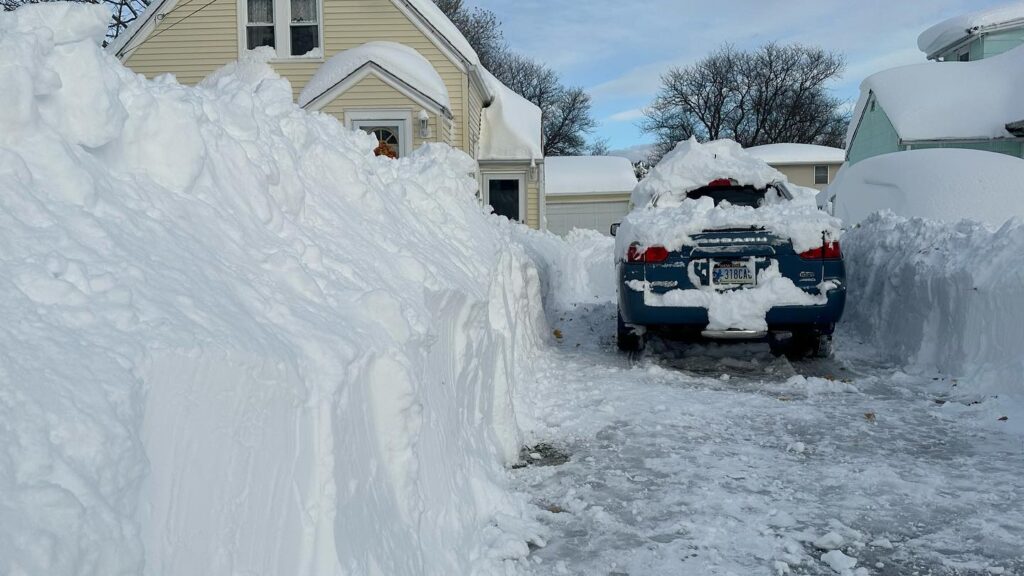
821	174
388	143
291	27
507	195
965	57
392	128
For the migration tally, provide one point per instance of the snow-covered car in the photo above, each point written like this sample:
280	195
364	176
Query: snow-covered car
720	246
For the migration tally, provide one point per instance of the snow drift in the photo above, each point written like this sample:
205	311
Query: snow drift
942	295
940	184
234	342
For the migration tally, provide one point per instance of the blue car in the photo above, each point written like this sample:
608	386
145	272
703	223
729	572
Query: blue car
727	260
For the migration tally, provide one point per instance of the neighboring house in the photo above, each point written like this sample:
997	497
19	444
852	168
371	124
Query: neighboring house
589	192
804	164
970	100
975	36
398	69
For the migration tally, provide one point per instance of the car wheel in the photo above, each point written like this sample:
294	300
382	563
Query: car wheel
822	347
800	345
629	340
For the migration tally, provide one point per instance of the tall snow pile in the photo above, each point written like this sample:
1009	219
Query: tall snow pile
940	184
665	216
575	270
946	296
234	342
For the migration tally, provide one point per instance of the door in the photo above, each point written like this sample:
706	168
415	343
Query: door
563	217
506	193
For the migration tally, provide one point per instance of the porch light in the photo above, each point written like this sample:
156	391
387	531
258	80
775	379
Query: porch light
424	124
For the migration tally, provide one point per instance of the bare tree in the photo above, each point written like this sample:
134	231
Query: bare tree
566	110
773	94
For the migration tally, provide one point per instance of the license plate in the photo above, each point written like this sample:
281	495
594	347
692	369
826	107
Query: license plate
732	274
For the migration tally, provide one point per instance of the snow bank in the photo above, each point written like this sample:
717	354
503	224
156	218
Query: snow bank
978	99
588	175
398	59
940	184
577	269
945	296
511	126
235	342
798	154
665	216
951	31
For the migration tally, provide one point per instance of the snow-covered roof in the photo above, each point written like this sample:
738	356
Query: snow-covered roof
692	165
511	126
446	28
781	154
939	184
949	100
588	175
945	34
399	60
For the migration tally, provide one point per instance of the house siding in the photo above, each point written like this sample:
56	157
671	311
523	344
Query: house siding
999	42
533	194
208	39
474	116
372	93
875	135
803	174
1011	148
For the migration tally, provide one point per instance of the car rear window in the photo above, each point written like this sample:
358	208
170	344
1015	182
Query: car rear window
735	195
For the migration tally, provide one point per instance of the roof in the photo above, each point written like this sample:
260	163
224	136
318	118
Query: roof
511	126
783	154
401	61
140	28
444	26
945	35
949	100
588	175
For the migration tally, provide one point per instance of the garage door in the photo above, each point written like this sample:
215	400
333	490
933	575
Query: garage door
599	216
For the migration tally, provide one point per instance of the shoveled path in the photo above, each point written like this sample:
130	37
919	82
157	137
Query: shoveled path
724	460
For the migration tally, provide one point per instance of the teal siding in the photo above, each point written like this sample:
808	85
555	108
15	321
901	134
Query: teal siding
1011	148
999	42
976	48
875	135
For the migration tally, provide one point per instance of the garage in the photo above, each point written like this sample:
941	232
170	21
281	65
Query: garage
587	192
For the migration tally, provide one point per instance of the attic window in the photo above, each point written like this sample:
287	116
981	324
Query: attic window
290	27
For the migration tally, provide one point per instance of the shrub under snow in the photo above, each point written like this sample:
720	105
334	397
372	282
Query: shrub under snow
234	342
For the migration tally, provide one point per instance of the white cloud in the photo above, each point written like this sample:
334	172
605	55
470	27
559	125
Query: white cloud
627	115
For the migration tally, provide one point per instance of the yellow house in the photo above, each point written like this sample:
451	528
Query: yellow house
398	69
806	165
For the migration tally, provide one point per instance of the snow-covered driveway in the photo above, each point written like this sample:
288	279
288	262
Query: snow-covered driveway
727	461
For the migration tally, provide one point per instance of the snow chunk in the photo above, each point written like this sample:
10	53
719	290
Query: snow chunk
588	175
937	184
839	562
511	126
64	22
798	154
830	541
691	165
944	34
398	59
978	98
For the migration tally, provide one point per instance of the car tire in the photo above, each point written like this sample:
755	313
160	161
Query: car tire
802	345
628	339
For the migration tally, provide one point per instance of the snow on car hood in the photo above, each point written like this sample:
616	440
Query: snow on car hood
665	216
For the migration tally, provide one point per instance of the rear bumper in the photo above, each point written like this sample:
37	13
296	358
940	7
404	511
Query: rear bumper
822	318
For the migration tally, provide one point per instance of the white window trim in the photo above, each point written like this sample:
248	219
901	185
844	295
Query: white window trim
520	176
282	32
402	119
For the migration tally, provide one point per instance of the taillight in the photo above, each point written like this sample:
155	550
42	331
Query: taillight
651	254
720	183
830	251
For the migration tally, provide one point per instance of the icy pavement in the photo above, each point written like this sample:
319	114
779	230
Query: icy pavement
727	461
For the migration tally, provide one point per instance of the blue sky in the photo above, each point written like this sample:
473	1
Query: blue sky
617	49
